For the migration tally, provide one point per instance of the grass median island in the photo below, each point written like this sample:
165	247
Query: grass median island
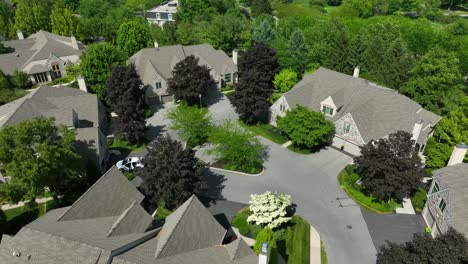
348	178
267	131
121	144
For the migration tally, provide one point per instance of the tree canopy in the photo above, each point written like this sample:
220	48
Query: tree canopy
134	36
307	129
285	80
451	247
171	173
190	82
62	20
97	63
36	155
126	99
32	15
390	168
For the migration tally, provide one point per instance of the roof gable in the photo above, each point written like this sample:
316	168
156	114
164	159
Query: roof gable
190	227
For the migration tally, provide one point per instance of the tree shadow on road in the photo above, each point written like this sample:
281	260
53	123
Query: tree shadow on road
214	187
153	132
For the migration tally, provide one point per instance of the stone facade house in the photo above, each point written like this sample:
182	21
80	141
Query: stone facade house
109	225
69	107
446	200
43	56
165	12
361	111
155	65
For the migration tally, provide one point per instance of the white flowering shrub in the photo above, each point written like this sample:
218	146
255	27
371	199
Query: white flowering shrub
269	209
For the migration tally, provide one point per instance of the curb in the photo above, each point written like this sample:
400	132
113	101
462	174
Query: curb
315	247
238	172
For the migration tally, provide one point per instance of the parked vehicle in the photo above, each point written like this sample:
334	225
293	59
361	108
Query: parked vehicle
129	164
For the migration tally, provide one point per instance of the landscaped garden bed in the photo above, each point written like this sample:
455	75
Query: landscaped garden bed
348	179
222	165
292	240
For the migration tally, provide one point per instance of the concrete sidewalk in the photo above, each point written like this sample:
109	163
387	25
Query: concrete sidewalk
22	203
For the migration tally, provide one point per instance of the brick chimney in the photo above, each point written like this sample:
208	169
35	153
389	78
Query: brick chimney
20	34
82	84
458	154
74	43
356	72
263	256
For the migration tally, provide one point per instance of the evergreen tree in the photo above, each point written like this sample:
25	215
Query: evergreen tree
32	16
126	99
7	15
134	36
63	21
261	7
189	81
298	50
264	32
21	80
171	173
390	167
258	67
338	48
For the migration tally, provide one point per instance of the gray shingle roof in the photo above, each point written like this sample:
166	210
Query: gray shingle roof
377	111
38	46
238	249
456	178
163	59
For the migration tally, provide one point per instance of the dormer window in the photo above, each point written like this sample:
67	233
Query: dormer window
327	110
158	85
436	188
442	205
346	127
282	108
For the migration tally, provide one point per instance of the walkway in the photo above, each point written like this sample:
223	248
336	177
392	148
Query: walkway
21	204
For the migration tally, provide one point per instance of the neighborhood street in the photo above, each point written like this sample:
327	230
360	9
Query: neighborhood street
311	180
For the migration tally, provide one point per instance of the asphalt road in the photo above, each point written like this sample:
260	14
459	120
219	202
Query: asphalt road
311	180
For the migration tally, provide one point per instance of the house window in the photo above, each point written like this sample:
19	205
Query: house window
282	108
158	16
227	78
40	77
169	16
346	127
57	72
442	205
158	85
327	110
436	188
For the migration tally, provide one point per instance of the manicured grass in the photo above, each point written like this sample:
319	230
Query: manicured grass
323	254
246	229
162	212
348	183
18	217
298	245
419	199
124	145
267	131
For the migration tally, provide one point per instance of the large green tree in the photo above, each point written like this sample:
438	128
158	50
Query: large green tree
434	79
126	99
190	82
264	32
298	50
171	173
261	7
62	19
36	155
32	15
228	32
307	129
6	20
192	123
96	65
390	167
285	80
134	36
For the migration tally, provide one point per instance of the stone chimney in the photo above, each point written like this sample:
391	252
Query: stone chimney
235	56
82	84
356	72
417	130
20	34
458	154
74	43
263	256
156	44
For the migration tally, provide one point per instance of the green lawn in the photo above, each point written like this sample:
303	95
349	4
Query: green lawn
122	144
162	212
18	217
246	229
267	131
323	254
348	183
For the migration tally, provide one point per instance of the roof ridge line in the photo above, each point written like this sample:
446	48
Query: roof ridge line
22	103
178	221
121	218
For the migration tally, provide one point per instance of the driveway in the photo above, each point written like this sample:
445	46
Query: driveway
311	180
